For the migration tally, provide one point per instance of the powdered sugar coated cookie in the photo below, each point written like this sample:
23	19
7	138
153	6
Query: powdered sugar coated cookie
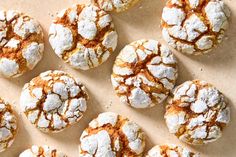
112	135
197	112
144	73
53	101
8	125
194	26
115	5
21	43
83	36
42	151
170	151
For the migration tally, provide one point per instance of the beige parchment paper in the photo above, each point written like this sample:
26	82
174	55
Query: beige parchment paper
142	21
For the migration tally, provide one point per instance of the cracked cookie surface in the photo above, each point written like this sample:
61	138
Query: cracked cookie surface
42	151
170	151
194	26
8	125
53	101
144	73
21	43
115	5
197	112
112	135
83	36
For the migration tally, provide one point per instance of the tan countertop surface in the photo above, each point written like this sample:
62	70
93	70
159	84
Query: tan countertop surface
142	21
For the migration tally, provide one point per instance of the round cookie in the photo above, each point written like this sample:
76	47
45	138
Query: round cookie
115	5
197	113
8	126
144	73
83	36
112	135
53	101
170	151
194	26
44	151
21	43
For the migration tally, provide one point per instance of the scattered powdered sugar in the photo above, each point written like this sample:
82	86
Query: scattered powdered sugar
42	151
198	33
170	151
83	36
18	54
107	135
144	73
115	5
197	112
53	101
8	126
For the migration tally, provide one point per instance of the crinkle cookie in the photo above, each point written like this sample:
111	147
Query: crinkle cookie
83	36
53	101
197	113
8	126
170	151
144	73
115	5
194	26
44	151
112	135
21	43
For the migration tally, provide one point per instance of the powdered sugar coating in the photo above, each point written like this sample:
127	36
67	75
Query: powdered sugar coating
83	36
53	101
170	151
21	43
8	126
197	112
112	135
194	26
144	73
115	5
44	151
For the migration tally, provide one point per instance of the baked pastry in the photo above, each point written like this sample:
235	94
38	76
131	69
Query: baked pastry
170	151
83	36
194	26
53	101
112	135
197	112
42	151
21	43
8	125
115	5
144	73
